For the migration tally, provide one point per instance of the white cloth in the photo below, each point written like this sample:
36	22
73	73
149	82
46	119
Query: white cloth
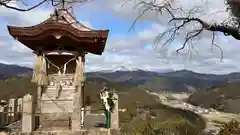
104	96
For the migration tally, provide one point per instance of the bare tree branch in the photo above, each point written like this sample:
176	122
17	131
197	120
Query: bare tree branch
5	4
54	3
188	37
228	28
214	44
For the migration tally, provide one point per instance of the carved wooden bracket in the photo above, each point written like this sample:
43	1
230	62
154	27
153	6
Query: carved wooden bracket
57	36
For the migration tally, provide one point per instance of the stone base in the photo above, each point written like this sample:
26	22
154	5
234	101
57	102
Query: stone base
99	131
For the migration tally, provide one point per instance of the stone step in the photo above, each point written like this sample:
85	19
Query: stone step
52	93
62	91
56	106
66	75
63	95
66	78
55	124
55	91
61	77
61	98
53	88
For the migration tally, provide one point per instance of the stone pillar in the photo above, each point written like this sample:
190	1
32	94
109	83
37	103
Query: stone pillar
12	110
115	114
76	115
19	108
28	118
1	116
77	103
6	120
19	105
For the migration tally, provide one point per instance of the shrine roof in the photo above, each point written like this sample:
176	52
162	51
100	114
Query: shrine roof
61	25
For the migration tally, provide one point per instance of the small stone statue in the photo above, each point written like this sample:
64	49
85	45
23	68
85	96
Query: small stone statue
107	100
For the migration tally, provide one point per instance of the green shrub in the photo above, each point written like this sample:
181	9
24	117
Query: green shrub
175	125
231	128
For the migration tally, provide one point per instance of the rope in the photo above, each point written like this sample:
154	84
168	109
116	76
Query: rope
65	68
59	68
77	61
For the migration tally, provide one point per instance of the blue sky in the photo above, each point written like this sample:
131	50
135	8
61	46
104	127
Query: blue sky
133	49
107	20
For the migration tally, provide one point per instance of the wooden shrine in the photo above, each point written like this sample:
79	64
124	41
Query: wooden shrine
60	44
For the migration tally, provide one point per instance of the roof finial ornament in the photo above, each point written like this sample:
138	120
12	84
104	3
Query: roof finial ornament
61	4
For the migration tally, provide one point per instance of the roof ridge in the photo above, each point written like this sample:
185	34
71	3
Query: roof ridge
68	14
68	18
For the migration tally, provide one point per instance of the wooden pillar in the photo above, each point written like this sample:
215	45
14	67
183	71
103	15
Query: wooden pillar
38	106
76	115
83	105
28	117
77	103
115	114
39	95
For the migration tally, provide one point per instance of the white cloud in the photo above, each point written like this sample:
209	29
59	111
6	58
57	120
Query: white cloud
33	17
131	51
205	61
12	51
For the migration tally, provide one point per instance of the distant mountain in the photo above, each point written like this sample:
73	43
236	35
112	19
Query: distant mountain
164	70
123	68
13	70
120	68
169	80
190	74
177	81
